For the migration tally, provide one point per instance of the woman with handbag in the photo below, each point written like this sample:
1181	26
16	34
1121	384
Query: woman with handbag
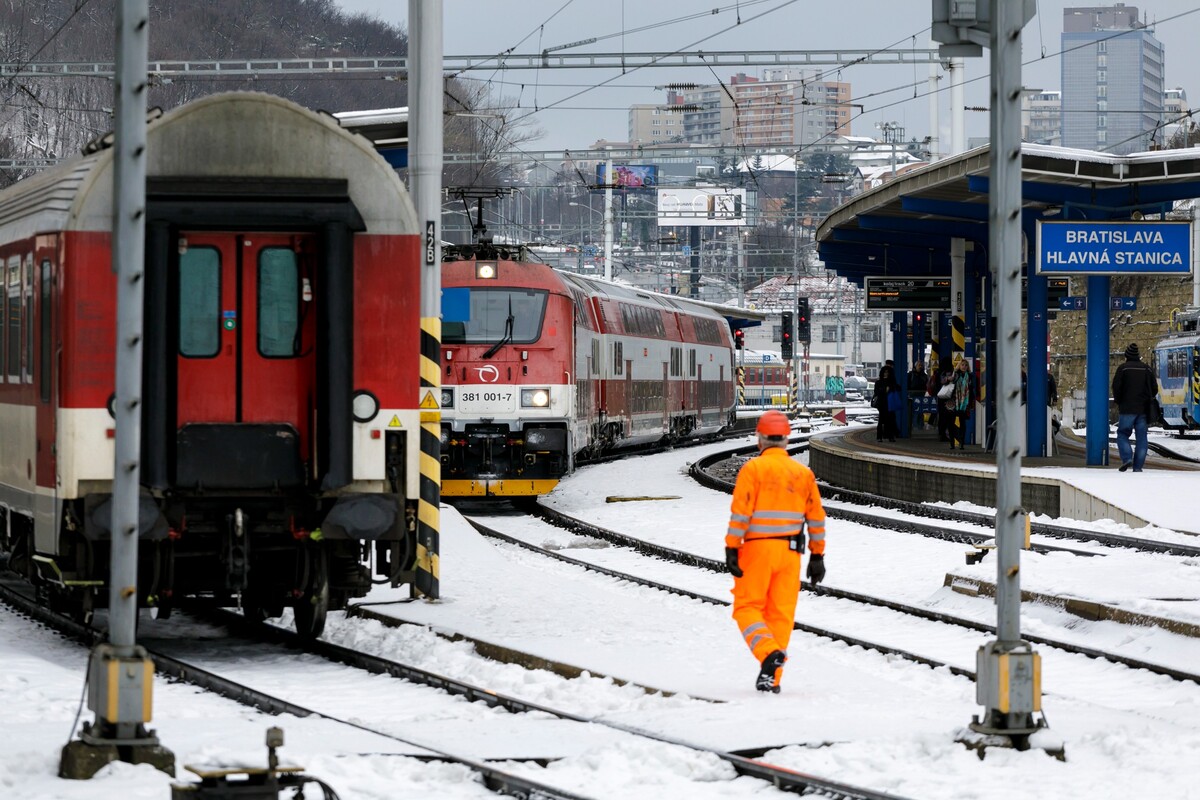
887	396
960	403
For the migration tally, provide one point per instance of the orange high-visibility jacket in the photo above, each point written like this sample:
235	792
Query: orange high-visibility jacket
775	497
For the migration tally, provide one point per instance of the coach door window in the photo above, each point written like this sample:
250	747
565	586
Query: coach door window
27	305
13	326
278	303
676	361
691	363
47	333
618	359
200	302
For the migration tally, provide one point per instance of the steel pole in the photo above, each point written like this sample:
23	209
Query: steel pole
120	674
425	175
958	135
1004	214
608	220
1008	682
128	261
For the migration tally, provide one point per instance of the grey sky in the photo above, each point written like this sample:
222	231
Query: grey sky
887	93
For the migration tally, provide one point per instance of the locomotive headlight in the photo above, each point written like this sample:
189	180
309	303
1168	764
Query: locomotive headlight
535	398
364	406
445	436
485	271
447	397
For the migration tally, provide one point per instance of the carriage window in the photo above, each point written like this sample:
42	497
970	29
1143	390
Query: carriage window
278	303
47	354
490	311
200	302
13	325
27	305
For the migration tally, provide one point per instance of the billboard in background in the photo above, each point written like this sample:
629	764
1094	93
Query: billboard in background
708	207
629	176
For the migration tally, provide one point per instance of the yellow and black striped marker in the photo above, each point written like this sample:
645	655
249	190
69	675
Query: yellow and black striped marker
428	516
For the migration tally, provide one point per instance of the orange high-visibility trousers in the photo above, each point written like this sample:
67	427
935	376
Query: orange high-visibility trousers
764	598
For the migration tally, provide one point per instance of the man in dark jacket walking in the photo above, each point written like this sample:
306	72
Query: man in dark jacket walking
1134	386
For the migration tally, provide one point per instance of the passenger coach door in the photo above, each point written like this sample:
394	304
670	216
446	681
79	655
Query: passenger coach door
246	358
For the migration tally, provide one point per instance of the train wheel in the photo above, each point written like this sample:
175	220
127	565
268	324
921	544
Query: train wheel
313	606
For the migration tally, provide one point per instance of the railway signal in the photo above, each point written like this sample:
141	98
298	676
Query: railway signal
803	323
785	336
739	339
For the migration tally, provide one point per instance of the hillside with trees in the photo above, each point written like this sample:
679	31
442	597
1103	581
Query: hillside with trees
55	117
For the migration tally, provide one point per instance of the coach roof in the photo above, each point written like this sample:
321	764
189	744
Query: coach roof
238	135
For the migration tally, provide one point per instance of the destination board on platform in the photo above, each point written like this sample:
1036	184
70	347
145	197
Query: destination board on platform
908	294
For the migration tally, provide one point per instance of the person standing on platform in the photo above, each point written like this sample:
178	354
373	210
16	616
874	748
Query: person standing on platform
1134	387
885	385
1052	402
944	416
918	379
774	499
961	402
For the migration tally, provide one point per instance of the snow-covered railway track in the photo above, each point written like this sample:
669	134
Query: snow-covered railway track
719	470
650	549
220	665
188	670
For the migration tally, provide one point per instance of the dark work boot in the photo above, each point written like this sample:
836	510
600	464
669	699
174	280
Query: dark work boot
766	676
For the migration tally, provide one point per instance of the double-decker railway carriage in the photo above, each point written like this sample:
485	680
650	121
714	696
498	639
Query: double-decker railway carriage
280	377
548	366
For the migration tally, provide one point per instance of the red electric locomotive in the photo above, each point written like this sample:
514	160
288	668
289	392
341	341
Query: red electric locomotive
545	366
280	396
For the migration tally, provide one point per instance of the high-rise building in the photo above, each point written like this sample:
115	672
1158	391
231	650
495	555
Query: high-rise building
711	121
1176	117
1112	80
657	123
788	108
1041	116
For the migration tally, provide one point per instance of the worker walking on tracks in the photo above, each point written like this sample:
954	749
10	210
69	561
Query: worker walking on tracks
775	497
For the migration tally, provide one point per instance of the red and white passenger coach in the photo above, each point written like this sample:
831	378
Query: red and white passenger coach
548	366
279	452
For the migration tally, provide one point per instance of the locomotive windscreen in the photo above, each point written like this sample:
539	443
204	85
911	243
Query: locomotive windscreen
496	314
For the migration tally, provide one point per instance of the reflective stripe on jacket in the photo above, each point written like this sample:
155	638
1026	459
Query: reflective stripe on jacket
775	497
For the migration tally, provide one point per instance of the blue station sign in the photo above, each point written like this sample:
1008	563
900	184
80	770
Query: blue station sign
1114	248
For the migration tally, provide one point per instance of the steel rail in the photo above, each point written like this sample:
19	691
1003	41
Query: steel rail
700	472
497	780
781	777
581	527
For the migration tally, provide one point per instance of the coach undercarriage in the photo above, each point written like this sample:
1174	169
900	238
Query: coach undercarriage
255	552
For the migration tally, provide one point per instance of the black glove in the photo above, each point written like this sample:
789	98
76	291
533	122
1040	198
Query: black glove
731	561
816	570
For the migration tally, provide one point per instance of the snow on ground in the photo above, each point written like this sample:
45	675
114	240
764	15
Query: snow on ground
40	690
845	713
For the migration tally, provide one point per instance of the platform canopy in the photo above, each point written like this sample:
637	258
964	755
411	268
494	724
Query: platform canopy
904	227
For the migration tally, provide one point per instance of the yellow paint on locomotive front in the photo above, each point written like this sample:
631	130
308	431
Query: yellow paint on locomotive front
512	487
